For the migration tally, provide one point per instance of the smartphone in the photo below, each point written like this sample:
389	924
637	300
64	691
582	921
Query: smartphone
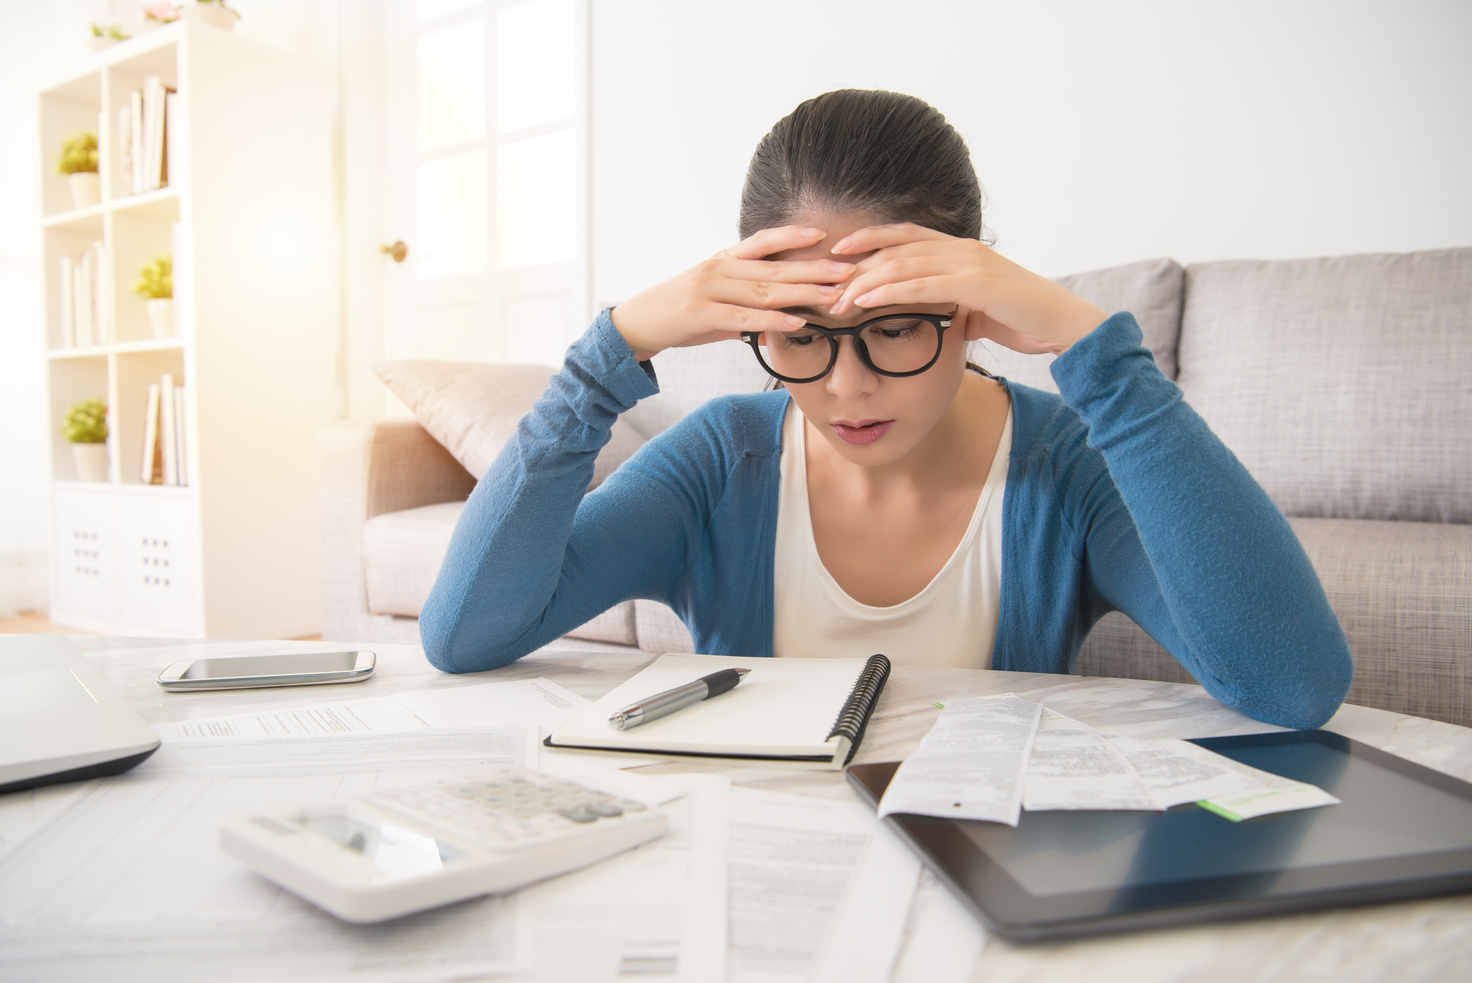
254	671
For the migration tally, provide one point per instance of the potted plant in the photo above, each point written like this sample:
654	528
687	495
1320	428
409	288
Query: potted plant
156	14
85	428
156	283
213	13
104	36
78	162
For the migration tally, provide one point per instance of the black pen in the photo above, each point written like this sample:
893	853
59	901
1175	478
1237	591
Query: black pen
674	699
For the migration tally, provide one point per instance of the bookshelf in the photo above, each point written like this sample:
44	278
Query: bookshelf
249	213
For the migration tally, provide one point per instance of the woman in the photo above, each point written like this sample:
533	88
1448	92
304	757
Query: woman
888	496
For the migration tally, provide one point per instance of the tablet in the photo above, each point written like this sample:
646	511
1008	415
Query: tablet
1401	831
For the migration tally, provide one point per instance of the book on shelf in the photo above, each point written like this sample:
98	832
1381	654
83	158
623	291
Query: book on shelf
85	290
168	449
68	302
135	140
150	471
149	117
180	441
800	710
164	435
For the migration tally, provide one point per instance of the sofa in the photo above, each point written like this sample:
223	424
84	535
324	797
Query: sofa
1343	384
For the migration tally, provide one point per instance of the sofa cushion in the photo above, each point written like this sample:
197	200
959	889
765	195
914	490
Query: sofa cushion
1403	594
1151	290
472	408
689	377
1342	383
402	554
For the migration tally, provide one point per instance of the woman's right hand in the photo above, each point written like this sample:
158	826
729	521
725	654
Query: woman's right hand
735	290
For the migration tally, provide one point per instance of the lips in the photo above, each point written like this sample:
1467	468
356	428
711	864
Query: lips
862	433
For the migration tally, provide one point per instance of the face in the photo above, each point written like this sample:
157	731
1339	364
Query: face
865	417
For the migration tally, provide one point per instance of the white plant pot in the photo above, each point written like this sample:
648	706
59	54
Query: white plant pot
210	13
90	461
86	188
161	316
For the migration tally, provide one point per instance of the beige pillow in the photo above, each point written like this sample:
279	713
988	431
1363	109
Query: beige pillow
472	408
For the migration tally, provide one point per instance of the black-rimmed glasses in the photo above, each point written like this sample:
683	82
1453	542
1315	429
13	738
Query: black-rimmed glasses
895	345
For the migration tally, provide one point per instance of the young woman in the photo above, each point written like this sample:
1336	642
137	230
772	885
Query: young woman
888	497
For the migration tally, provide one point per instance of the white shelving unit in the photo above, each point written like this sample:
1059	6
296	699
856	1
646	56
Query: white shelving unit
250	214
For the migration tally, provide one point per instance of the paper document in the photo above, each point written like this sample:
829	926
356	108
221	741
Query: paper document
971	764
1073	766
819	890
942	939
129	885
980	752
372	752
539	702
657	912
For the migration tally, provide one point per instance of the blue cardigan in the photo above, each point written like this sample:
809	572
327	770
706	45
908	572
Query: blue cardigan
1118	497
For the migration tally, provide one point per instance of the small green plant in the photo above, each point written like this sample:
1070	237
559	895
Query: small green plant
113	31
78	154
156	279
86	422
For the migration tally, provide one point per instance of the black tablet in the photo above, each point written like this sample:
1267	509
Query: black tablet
1402	831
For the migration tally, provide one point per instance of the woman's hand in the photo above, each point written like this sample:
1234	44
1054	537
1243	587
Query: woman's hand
733	291
997	299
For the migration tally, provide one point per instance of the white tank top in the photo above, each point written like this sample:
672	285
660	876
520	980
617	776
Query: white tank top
952	622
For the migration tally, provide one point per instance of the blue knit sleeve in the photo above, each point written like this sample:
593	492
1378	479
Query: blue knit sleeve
533	556
1198	556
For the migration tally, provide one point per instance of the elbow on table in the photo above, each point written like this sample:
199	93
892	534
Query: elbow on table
1304	699
449	650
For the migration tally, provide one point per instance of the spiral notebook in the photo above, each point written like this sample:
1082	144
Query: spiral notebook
809	710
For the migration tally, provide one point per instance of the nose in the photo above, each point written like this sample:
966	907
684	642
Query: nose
850	376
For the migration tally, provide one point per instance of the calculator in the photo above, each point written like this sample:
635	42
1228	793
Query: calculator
396	851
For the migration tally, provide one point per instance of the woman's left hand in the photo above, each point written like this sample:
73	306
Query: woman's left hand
997	299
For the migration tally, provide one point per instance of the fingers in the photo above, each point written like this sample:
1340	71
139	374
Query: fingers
886	278
768	241
879	236
772	295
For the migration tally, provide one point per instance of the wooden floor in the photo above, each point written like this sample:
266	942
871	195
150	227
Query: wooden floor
35	623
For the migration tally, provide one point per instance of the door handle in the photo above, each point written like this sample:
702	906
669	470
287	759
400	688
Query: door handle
398	251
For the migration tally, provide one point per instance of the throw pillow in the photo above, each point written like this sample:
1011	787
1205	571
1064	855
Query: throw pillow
472	408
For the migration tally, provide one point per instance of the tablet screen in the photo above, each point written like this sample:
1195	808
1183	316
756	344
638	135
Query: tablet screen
1400	831
1383	814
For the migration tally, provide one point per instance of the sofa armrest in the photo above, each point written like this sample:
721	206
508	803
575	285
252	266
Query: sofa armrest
367	468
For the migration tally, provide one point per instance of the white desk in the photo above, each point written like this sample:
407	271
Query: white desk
1429	940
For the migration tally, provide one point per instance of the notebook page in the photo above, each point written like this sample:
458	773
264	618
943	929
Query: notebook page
782	707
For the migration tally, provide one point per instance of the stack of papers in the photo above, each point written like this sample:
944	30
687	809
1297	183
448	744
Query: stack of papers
989	758
122	878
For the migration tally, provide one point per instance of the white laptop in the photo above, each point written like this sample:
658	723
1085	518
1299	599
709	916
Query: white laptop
60	721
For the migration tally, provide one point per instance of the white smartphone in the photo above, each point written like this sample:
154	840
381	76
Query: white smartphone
253	671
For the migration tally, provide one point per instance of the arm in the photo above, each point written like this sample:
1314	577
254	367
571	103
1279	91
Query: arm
519	572
1191	547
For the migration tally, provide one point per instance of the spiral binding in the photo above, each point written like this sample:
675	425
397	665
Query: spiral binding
854	716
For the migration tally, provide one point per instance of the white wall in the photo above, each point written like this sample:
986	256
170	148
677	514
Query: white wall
1104	132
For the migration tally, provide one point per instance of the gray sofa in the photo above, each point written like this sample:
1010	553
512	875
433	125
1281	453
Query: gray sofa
1343	384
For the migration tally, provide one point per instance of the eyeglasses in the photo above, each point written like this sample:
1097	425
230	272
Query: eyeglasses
896	345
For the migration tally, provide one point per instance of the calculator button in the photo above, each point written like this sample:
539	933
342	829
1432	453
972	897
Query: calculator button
605	809
581	814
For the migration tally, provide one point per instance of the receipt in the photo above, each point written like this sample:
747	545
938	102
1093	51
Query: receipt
971	764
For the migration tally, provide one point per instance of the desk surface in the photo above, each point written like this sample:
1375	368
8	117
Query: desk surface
1420	940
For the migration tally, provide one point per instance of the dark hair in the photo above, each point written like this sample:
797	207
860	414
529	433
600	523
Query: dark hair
890	155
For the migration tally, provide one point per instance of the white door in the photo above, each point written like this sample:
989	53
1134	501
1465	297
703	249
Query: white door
486	178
